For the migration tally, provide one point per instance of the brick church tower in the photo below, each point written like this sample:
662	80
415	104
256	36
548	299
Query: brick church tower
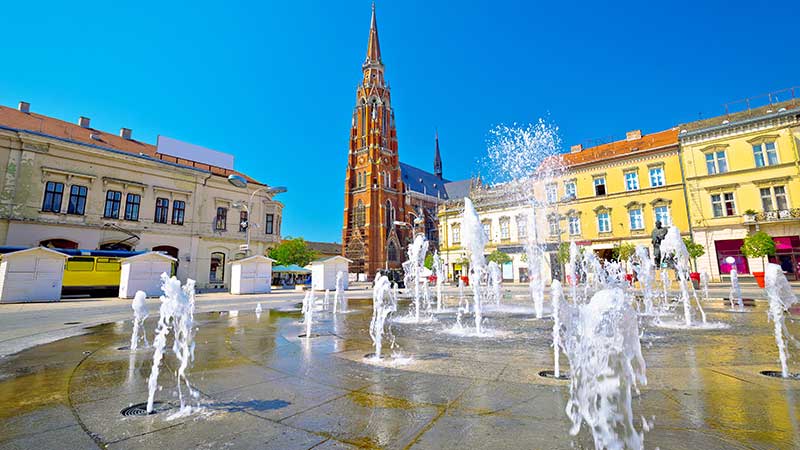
373	183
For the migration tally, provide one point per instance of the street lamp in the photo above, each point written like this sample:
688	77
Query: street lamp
241	182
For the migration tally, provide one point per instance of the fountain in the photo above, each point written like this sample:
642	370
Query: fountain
573	270
140	314
535	281
326	300
308	312
781	298
644	267
704	285
673	248
258	310
475	241
413	268
556	292
735	293
177	316
339	300
384	303
438	270
606	367
495	282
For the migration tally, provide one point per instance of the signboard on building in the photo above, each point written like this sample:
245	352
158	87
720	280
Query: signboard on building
185	150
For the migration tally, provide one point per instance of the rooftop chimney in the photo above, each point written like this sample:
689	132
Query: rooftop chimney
633	135
576	148
24	107
125	133
84	122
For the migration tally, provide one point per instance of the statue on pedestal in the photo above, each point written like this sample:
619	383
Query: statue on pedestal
659	233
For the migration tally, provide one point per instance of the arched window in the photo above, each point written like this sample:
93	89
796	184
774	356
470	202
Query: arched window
388	215
363	119
116	246
391	252
360	214
216	272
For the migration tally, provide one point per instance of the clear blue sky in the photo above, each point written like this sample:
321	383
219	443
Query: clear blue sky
274	82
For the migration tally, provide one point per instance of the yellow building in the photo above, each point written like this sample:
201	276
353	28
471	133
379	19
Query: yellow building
742	174
614	193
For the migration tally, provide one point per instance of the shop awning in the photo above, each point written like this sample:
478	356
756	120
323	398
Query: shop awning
293	268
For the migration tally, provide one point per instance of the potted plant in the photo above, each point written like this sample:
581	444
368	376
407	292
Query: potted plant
750	216
695	251
758	245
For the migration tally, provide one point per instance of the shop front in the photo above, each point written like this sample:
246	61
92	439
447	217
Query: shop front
732	248
787	255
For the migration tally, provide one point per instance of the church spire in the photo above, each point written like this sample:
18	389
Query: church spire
437	159
374	46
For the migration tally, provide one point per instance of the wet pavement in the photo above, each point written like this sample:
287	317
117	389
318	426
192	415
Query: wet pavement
263	387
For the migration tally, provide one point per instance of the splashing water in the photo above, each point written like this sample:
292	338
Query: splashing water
413	268
704	285
644	266
176	315
573	271
326	300
384	303
438	270
607	366
781	298
259	310
673	247
339	300
495	282
308	311
140	314
475	241
556	292
736	292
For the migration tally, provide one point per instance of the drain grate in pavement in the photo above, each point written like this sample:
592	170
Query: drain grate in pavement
552	374
778	374
71	323
140	409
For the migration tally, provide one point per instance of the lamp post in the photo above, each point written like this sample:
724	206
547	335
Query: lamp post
241	182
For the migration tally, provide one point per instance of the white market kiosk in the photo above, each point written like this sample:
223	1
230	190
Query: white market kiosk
251	275
323	272
143	273
32	275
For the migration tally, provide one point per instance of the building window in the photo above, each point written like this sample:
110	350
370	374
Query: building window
456	234
716	162
221	221
765	154
574	225
391	252
723	204
132	202
53	193
522	227
552	222
600	186
360	214
635	216
162	210
487	229
178	212
603	222
569	190
774	199
662	215
216	273
243	223
269	227
657	177
551	193
505	229
113	201
77	200
631	181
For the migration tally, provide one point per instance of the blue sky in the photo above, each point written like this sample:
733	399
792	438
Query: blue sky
274	82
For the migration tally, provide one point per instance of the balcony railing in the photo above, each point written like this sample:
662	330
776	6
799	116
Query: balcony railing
772	216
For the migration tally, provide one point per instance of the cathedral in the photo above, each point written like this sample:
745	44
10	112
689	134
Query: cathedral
386	201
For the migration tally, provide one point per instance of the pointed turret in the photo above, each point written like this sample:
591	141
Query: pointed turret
437	159
374	46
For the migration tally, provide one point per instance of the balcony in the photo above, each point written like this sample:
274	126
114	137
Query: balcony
773	216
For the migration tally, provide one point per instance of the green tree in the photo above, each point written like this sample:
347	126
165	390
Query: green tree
499	257
758	245
695	250
292	251
428	261
623	251
563	252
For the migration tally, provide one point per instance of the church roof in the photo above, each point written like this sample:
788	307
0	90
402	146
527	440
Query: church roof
458	189
422	181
